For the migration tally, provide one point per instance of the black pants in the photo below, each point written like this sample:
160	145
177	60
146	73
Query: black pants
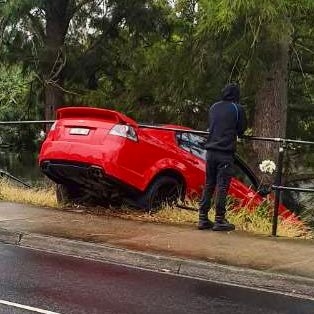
219	171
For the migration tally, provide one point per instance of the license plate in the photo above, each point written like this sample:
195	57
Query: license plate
79	131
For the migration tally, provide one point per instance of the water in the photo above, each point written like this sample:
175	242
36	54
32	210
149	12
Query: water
22	165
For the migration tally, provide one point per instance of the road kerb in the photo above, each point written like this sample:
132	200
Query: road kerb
10	237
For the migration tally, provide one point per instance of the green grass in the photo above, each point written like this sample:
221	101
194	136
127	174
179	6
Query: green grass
251	221
257	222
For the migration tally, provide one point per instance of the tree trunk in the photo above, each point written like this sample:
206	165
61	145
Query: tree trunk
53	59
270	117
54	99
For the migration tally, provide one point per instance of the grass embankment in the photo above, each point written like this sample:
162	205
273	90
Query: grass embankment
256	222
35	196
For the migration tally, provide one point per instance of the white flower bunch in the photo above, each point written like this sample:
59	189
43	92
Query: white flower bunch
41	135
267	166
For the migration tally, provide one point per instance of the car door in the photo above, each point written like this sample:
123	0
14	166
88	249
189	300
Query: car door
193	154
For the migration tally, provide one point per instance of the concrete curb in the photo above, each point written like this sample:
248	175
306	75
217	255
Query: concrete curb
10	237
286	284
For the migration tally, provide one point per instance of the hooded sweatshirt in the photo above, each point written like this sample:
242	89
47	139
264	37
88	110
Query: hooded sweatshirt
227	120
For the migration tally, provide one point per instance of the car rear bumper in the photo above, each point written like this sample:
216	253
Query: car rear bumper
81	153
91	178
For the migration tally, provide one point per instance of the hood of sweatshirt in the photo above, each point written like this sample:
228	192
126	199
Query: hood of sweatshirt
231	93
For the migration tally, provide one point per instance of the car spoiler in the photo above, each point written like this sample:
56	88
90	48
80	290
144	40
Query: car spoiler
98	113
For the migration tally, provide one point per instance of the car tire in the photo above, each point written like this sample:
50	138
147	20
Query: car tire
164	190
68	194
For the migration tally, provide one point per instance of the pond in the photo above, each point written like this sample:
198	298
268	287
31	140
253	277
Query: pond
22	165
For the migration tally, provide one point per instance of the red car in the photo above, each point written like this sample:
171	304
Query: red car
99	153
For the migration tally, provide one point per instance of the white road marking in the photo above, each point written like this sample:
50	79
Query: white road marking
25	307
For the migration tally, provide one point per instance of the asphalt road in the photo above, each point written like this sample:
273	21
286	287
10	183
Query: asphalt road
50	283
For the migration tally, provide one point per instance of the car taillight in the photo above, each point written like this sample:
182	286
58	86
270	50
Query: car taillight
53	127
51	132
124	131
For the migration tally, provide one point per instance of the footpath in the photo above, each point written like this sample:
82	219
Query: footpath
236	258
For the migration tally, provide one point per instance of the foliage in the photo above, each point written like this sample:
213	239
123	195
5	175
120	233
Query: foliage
14	93
16	104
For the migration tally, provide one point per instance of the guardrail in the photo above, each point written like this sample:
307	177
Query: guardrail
277	186
4	123
10	176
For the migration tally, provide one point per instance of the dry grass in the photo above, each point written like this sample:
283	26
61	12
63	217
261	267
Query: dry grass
255	222
35	196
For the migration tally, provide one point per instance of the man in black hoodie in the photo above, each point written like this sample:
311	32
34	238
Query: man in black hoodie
227	120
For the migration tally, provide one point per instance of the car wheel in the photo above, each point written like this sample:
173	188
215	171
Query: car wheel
163	191
68	194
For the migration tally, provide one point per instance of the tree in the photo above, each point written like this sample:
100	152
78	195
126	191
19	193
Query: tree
258	35
16	93
39	33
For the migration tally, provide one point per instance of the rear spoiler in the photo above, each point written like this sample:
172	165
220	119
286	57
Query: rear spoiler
96	113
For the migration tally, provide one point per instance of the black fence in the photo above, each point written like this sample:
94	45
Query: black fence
277	186
5	174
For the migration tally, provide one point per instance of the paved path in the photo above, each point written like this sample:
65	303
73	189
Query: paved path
277	255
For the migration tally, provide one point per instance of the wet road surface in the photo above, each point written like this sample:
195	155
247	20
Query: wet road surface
51	283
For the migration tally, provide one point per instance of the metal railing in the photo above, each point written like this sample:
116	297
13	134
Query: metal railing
8	123
277	186
5	174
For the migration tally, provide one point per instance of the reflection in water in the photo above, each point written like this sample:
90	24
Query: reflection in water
21	164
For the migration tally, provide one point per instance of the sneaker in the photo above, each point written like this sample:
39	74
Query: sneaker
223	225
205	224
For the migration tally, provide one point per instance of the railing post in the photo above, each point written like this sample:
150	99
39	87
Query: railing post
278	183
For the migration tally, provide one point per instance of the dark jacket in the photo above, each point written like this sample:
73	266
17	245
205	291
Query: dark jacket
227	120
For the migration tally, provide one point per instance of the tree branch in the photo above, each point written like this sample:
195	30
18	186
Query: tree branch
307	69
76	7
305	109
300	177
38	28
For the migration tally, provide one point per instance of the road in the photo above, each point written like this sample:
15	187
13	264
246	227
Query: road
51	283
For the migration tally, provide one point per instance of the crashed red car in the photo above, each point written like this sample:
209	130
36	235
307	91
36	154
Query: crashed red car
103	154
